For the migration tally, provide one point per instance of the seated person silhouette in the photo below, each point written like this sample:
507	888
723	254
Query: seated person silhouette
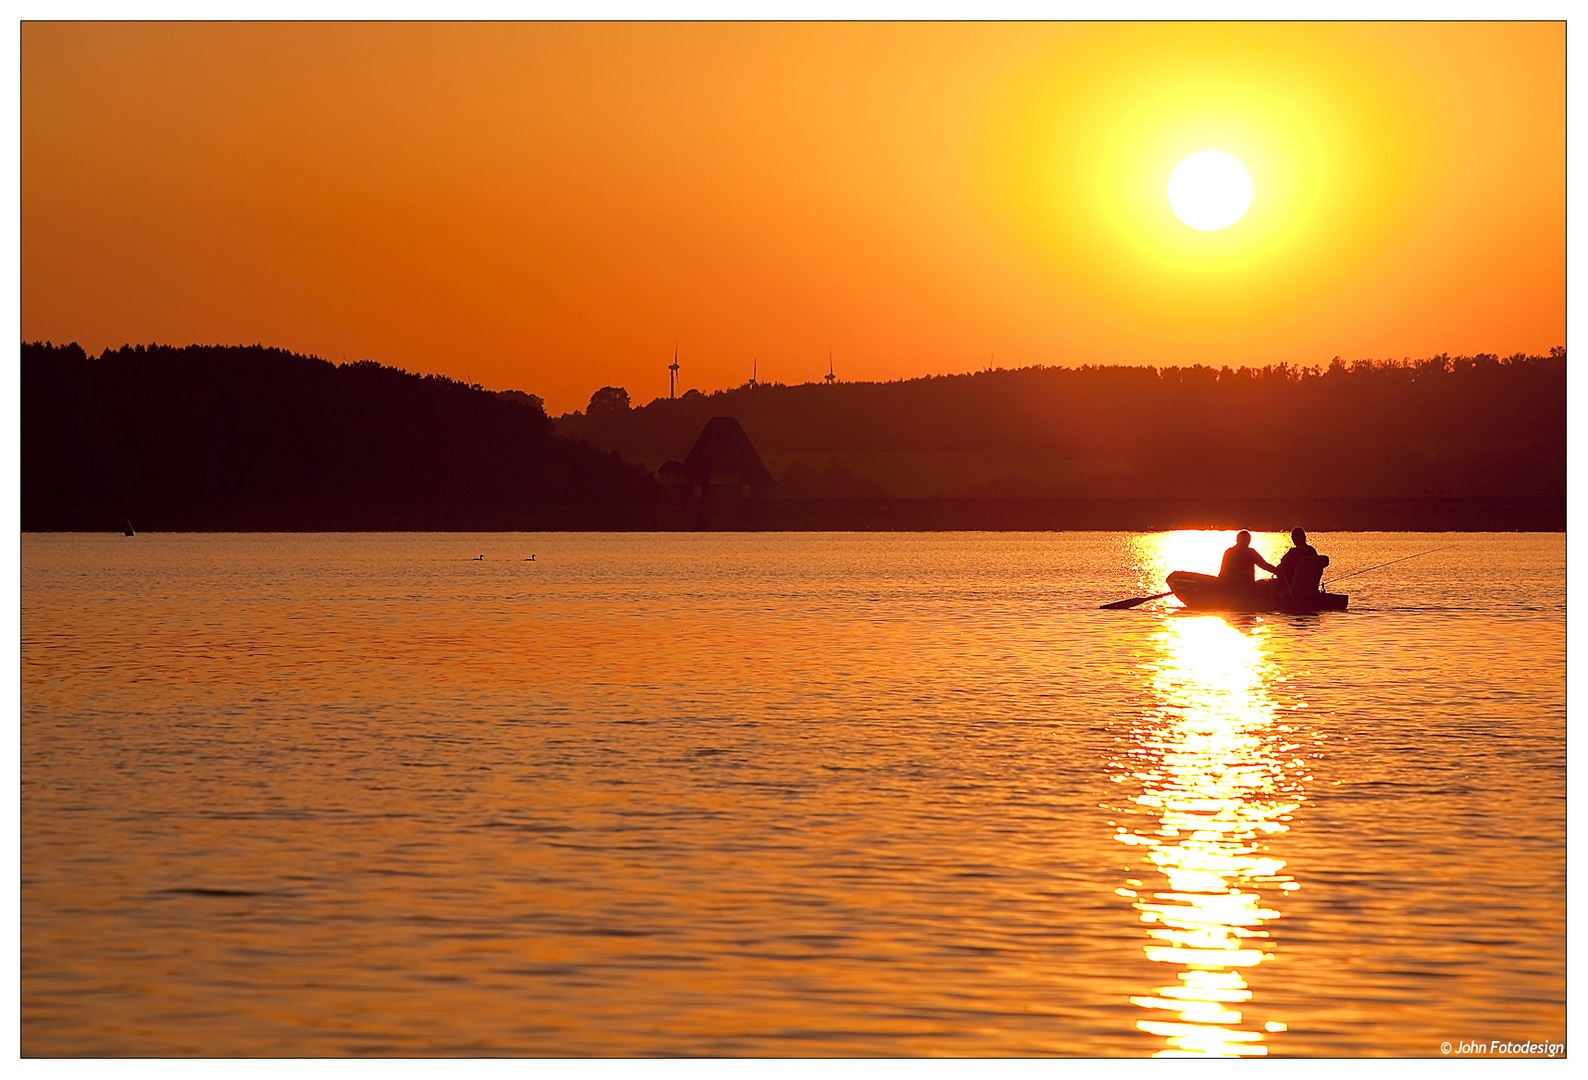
1301	567
1238	570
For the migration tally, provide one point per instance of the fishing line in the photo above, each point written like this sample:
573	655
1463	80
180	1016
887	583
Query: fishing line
1392	562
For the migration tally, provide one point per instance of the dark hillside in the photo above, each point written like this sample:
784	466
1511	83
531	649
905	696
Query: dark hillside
1458	427
253	438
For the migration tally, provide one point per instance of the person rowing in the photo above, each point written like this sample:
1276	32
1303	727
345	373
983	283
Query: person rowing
1238	570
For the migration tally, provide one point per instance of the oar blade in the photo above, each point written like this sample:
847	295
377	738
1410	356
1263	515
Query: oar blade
1134	601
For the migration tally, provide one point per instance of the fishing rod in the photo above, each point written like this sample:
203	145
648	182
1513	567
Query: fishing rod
1392	562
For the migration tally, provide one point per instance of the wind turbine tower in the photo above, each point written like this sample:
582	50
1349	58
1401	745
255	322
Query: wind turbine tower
830	378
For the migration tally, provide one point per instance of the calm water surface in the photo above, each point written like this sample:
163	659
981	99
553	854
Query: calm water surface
784	794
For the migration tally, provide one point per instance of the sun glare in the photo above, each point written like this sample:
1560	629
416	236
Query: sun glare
1210	190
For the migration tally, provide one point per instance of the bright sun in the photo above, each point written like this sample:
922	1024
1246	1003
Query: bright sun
1210	190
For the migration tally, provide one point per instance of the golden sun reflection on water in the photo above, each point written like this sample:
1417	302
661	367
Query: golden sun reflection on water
1197	550
1216	768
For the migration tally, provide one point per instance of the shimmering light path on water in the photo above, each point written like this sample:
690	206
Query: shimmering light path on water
1218	773
783	794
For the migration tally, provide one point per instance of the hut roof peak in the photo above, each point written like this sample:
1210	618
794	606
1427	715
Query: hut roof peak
723	447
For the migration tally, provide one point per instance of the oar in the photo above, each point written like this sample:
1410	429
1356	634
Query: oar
1392	562
1121	605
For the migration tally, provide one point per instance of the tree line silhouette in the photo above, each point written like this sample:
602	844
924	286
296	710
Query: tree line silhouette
251	437
256	438
1463	426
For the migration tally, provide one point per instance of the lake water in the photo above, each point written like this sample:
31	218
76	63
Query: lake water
784	794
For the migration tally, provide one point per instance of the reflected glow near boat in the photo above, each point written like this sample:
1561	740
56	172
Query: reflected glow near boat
1213	764
1198	550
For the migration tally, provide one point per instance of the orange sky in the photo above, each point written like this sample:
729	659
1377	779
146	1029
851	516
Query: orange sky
550	207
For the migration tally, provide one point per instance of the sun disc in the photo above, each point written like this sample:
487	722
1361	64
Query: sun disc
1210	190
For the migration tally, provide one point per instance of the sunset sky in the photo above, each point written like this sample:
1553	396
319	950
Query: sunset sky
551	207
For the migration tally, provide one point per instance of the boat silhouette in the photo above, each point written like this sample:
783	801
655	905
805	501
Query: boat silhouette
1205	592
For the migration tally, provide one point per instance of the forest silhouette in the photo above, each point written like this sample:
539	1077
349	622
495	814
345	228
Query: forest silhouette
256	438
1460	427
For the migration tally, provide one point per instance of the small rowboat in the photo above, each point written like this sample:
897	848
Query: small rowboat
1204	592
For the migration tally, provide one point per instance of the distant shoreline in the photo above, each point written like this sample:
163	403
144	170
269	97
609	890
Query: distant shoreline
1421	514
1385	514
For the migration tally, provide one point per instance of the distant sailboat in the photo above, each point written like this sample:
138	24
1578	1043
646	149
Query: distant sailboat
126	529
